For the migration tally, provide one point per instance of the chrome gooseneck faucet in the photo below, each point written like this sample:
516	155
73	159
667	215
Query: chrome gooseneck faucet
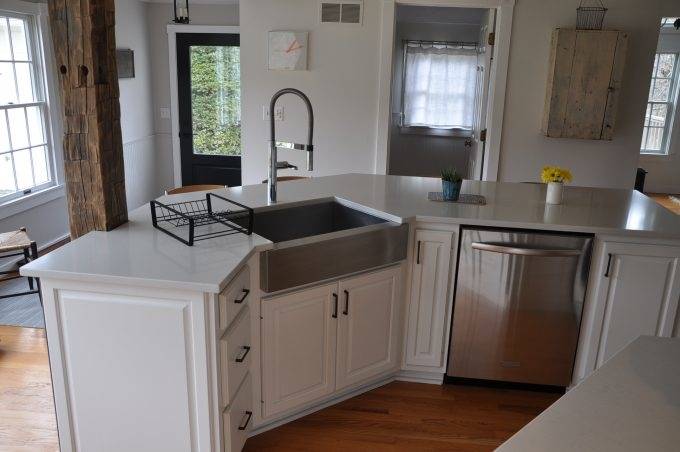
274	145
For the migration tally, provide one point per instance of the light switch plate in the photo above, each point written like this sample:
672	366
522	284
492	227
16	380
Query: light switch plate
165	113
278	113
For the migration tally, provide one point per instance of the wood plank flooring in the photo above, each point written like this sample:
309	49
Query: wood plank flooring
405	416
396	417
27	421
670	202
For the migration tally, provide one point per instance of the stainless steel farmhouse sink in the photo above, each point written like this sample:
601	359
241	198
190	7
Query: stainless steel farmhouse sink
322	240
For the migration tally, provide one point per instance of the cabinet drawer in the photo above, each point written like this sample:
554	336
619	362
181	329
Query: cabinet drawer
237	418
234	297
235	357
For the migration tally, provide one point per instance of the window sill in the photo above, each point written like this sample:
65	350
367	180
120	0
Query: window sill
18	205
433	131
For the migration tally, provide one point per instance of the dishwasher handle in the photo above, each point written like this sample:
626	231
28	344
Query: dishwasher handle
515	249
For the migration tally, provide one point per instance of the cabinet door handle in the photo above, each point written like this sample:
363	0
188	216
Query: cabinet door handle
246	350
609	264
346	311
244	424
243	298
335	306
418	254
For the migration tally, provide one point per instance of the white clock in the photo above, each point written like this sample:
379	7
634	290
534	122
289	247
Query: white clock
288	50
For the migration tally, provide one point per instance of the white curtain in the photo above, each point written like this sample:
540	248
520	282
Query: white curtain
439	86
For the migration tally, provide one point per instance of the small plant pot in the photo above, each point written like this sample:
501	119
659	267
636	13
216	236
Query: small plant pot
451	190
553	194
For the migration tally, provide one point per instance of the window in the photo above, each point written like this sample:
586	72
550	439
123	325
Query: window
439	85
25	155
661	104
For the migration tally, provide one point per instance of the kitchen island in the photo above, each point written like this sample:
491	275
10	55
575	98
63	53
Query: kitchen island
157	345
632	403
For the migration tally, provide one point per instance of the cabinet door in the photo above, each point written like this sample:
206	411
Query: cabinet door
431	259
367	326
298	347
638	295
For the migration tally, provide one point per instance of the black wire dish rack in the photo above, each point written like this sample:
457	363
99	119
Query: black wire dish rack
202	219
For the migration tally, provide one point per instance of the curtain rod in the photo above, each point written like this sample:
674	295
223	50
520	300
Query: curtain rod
447	43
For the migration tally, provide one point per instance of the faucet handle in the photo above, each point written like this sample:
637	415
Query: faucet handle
285	145
285	165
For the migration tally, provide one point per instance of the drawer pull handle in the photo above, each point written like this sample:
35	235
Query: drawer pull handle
247	417
335	306
609	264
346	311
243	298
418	254
246	349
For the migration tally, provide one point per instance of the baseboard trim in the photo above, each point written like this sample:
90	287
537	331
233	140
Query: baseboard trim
12	262
416	376
336	399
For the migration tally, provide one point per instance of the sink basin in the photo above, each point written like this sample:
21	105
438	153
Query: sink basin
323	240
290	223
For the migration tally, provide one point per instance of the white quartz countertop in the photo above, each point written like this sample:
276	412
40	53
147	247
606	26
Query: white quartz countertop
139	254
632	403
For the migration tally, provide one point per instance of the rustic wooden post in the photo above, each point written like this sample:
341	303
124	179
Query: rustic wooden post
84	42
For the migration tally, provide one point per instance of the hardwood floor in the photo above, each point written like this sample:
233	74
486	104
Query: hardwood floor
670	202
27	421
408	417
397	417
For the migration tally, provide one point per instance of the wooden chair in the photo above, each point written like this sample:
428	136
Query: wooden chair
285	178
193	188
18	243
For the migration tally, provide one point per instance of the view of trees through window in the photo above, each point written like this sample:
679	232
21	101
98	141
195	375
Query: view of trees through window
216	99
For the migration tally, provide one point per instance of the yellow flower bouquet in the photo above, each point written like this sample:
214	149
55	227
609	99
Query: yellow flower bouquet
555	174
555	177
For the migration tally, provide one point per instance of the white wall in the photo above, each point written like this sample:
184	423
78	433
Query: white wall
524	150
664	171
140	149
342	84
426	155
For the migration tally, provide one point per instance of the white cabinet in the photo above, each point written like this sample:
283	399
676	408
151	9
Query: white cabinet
298	347
367	327
429	288
354	320
634	291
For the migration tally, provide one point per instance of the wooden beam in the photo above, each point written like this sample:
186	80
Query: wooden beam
84	40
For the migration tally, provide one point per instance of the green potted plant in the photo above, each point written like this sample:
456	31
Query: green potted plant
451	183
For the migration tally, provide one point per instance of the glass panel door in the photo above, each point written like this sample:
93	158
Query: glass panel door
209	93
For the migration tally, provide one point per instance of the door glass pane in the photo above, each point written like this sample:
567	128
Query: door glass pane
216	100
6	175
18	30
22	165
17	128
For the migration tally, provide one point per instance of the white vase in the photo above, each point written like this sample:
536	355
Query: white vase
554	193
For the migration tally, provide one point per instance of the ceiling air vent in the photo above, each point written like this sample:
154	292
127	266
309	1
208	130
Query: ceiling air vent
344	12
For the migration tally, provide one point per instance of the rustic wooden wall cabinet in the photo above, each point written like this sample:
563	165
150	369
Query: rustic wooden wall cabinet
586	68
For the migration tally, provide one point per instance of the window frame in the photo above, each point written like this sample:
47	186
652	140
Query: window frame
671	107
46	87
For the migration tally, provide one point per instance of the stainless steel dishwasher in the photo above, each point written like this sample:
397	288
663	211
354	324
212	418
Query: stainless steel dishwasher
518	303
